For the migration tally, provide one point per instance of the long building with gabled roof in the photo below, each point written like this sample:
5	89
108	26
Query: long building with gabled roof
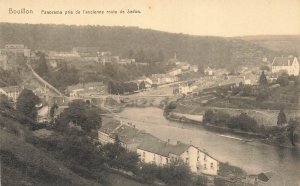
161	153
290	65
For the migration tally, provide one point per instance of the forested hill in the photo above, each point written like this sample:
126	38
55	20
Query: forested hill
124	41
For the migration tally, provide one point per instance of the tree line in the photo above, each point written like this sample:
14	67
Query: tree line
142	44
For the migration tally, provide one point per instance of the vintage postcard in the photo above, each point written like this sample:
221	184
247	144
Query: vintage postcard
150	93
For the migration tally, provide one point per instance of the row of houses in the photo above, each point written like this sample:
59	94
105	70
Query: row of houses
86	89
90	54
10	53
16	49
161	153
155	151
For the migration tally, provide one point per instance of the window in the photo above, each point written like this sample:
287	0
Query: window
187	160
154	157
198	158
167	160
144	154
205	157
211	165
205	166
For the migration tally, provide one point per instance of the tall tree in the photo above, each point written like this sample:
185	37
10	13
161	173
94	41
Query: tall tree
263	79
142	85
281	118
293	124
26	103
42	68
81	114
177	173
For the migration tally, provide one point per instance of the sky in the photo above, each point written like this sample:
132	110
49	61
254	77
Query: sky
197	17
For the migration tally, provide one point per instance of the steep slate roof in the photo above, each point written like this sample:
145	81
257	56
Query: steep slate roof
282	61
265	176
163	148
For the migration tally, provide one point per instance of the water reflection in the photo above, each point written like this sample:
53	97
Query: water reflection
254	157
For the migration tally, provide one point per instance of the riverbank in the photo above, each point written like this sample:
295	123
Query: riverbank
245	136
260	157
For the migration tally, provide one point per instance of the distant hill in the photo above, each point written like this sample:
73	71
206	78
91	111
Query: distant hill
205	50
285	44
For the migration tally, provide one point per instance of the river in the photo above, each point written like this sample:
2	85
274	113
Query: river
253	157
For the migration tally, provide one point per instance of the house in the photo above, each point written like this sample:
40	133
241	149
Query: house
194	68
126	61
12	92
174	72
86	89
43	114
106	57
159	79
250	79
184	66
127	134
269	179
208	71
148	82
289	64
162	153
17	49
54	55
183	89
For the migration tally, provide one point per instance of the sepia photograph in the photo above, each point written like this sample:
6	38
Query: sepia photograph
150	93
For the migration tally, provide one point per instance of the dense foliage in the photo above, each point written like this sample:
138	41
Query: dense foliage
263	79
26	103
121	88
242	122
142	44
80	114
175	173
281	118
65	76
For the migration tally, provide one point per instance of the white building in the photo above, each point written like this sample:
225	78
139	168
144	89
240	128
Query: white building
162	153
194	68
163	79
184	89
174	72
17	48
290	65
208	71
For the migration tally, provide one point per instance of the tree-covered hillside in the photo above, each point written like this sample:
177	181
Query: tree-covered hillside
124	41
285	44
